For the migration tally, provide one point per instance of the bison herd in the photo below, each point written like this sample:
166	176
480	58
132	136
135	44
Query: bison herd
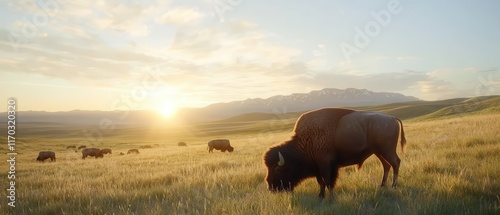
218	144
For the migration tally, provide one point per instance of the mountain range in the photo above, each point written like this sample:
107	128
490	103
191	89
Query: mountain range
280	104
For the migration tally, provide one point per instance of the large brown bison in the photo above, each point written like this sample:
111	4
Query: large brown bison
330	138
220	144
106	151
44	155
133	151
92	152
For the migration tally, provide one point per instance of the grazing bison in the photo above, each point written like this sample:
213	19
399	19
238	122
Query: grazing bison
145	147
82	147
92	152
121	153
330	138
106	151
133	151
220	144
71	147
44	155
181	144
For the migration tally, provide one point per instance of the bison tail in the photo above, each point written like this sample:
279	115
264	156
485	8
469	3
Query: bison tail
403	139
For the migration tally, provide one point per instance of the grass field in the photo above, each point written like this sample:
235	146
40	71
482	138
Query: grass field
450	166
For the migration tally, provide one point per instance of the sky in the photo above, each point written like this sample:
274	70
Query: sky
107	55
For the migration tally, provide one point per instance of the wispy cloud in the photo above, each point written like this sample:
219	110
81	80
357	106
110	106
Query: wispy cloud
180	17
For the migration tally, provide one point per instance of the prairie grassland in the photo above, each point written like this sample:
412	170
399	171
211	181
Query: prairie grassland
450	166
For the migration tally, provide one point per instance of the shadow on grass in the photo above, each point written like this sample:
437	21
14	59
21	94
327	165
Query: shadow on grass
401	200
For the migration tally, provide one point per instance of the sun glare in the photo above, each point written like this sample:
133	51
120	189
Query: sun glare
167	110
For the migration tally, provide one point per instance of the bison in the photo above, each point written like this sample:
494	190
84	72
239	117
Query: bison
145	147
82	147
71	147
106	151
44	155
133	151
121	153
181	144
328	139
92	152
219	144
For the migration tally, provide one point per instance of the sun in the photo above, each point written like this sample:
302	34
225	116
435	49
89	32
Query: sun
167	110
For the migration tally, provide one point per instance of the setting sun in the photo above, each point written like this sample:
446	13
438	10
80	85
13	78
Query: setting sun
167	110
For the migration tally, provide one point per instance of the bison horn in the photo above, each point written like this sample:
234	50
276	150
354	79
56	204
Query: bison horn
281	162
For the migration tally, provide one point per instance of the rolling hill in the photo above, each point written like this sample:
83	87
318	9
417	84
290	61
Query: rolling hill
76	123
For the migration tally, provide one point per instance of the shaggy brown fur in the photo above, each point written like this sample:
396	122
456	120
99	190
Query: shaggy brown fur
328	139
92	152
219	144
44	155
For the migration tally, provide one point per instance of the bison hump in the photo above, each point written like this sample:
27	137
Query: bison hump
320	123
322	119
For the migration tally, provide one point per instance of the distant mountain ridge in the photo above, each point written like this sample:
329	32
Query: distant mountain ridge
328	97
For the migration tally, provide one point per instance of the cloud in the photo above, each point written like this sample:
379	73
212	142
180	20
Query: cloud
82	41
230	42
180	17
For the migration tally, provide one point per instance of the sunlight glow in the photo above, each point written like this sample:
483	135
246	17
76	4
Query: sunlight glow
167	109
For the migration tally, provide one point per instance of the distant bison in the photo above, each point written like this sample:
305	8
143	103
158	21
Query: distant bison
121	153
92	152
106	151
220	144
71	147
133	151
82	147
328	139
44	155
145	147
181	144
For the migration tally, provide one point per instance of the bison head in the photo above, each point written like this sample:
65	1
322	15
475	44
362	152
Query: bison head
230	149
100	154
283	172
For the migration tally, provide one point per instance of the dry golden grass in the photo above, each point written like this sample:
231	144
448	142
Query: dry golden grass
451	166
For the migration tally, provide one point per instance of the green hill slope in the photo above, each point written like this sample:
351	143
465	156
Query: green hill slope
476	105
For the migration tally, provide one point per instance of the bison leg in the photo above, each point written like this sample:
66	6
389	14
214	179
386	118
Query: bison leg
394	161
395	170
321	186
333	179
329	178
387	167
